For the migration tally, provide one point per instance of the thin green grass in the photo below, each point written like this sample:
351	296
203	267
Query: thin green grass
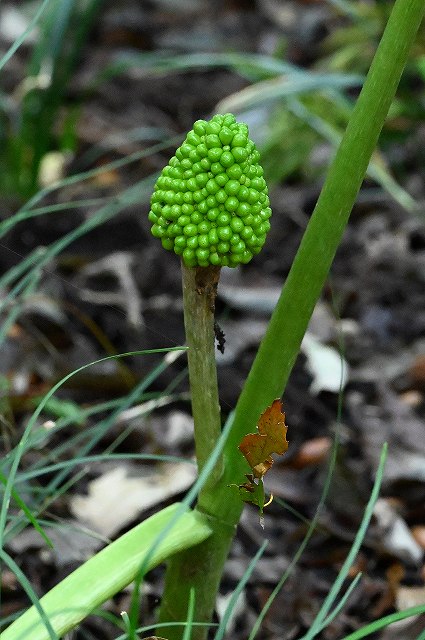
57	486
186	503
16	309
23	581
27	512
84	597
187	633
104	457
32	421
237	592
15	46
318	623
135	194
373	627
311	529
30	124
159	626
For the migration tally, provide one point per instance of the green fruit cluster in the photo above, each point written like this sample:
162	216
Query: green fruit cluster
210	204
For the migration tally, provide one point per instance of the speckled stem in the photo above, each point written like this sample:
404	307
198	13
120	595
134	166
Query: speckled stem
201	569
199	293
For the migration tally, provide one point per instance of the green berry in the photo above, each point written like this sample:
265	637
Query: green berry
167	243
203	207
193	139
221	196
196	217
234	172
183	220
204	226
202	179
236	225
223	219
187	209
202	254
224	233
197	168
213	237
226	135
232	187
227	159
217	167
240	154
190	230
192	243
180	241
202	150
231	203
239	140
213	127
221	179
203	241
246	233
212	186
239	247
215	154
212	141
243	209
198	196
223	247
210	204
213	214
199	127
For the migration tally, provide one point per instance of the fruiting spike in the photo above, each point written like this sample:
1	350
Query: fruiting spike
210	204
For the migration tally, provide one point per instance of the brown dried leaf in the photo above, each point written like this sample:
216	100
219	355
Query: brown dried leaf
271	438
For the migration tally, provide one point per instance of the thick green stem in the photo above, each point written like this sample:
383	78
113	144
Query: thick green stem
280	346
200	569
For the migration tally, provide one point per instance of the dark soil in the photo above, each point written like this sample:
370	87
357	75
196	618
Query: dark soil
116	289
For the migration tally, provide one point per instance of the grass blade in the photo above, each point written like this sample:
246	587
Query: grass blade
21	447
189	620
342	602
377	625
317	625
309	533
15	46
235	595
21	504
47	629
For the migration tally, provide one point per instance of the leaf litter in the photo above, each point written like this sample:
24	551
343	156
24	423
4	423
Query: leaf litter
377	282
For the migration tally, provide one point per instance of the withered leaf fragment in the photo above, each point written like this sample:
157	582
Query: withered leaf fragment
257	449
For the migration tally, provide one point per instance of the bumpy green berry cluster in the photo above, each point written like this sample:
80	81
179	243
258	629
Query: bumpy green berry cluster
210	203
